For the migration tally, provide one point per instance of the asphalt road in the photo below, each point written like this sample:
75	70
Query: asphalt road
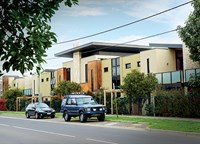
18	130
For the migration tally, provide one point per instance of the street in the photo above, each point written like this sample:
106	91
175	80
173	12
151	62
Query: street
19	130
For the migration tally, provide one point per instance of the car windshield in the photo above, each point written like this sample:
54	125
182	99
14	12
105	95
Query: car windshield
42	105
85	100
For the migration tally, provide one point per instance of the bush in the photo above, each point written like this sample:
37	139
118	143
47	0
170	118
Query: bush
2	104
174	103
56	103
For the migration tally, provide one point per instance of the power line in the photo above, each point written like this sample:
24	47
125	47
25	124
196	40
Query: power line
147	37
118	27
139	39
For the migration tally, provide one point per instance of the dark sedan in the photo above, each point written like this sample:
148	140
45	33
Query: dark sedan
39	110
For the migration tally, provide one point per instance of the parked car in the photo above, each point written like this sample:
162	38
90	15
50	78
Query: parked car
83	106
39	110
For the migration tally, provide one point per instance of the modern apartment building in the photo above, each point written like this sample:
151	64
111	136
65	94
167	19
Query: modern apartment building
98	65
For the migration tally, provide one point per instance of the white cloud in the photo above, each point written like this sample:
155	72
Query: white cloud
84	11
173	18
170	39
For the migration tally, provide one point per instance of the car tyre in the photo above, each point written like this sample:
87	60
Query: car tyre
82	117
27	115
66	116
101	117
53	116
37	116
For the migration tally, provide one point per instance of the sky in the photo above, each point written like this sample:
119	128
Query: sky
92	16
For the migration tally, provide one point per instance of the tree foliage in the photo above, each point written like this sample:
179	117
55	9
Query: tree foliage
67	87
190	32
137	86
25	33
11	95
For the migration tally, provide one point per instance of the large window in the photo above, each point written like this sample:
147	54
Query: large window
115	73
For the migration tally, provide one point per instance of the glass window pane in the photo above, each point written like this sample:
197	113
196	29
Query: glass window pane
159	77
113	71
166	78
118	71
188	73
176	77
118	61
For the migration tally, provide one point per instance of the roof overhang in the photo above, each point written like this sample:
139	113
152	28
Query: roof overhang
101	46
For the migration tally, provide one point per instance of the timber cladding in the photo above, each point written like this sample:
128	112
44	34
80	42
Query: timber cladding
94	75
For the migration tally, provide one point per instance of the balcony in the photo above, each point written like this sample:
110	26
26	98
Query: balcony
176	78
190	72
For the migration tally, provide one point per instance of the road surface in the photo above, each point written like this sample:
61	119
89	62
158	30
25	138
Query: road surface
19	130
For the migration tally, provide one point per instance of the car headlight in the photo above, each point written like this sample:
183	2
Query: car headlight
40	110
87	109
100	109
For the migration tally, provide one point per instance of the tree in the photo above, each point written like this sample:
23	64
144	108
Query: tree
11	95
67	87
25	33
190	32
137	86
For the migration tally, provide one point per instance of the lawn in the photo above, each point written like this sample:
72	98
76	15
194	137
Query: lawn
154	123
164	124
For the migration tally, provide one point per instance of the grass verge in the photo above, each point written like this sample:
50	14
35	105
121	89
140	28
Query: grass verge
164	124
154	123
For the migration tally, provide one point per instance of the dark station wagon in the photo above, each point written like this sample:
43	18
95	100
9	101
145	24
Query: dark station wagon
83	106
39	110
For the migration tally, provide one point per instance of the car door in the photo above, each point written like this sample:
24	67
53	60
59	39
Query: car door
31	110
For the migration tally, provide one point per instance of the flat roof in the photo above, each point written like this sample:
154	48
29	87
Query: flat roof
102	46
165	45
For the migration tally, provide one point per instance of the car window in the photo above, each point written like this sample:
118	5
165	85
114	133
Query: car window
73	101
85	100
69	101
42	105
64	101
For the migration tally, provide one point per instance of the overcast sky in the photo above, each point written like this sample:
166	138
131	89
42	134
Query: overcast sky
92	16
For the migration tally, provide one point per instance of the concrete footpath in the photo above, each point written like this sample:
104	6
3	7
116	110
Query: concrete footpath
116	124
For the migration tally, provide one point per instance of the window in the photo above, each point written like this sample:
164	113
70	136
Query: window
47	79
86	72
128	65
106	69
138	64
116	72
42	80
68	74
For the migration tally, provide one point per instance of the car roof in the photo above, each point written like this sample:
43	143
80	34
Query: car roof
77	96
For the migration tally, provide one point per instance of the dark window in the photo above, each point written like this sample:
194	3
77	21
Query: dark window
42	80
116	73
47	79
86	72
179	60
106	69
92	80
68	74
138	64
148	68
128	65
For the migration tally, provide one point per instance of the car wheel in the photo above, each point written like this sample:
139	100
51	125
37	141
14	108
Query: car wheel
37	116
101	117
67	117
53	116
27	115
82	117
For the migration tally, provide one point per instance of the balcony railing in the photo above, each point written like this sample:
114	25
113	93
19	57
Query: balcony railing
174	77
170	77
190	72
